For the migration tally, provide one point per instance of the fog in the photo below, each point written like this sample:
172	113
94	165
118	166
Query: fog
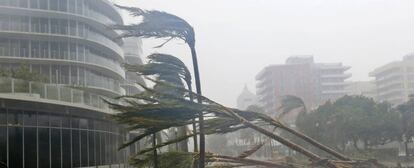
237	38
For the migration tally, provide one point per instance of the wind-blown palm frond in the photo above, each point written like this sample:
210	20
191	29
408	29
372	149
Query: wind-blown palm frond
156	24
289	103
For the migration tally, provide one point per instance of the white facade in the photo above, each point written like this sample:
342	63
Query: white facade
395	81
315	83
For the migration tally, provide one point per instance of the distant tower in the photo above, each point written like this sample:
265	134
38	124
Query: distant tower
246	99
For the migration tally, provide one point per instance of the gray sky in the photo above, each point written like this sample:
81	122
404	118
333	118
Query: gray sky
237	38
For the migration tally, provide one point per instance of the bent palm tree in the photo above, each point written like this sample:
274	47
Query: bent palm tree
157	24
168	69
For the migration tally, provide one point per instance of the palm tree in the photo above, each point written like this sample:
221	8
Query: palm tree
169	69
157	24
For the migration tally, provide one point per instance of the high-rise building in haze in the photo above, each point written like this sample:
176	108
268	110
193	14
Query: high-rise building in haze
395	81
314	82
62	121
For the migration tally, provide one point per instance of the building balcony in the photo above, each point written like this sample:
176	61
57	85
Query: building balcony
94	40
343	76
51	93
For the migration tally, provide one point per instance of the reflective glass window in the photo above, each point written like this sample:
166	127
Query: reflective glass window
14	117
79	7
35	49
55	143
54	5
55	121
3	144
23	3
43	4
44	50
43	119
66	148
34	4
84	148
72	6
98	151
30	118
63	5
75	148
44	152
92	144
4	2
3	116
83	123
30	147
15	147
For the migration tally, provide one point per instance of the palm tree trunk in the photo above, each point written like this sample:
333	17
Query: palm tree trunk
190	88
280	139
199	100
313	142
154	143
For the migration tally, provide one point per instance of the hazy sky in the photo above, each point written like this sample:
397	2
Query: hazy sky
237	38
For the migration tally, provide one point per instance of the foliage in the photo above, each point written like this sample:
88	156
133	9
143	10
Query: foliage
289	103
157	24
23	72
351	120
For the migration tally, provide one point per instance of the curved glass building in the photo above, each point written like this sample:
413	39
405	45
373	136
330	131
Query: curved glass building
62	120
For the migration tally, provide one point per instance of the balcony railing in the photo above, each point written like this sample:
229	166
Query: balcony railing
55	92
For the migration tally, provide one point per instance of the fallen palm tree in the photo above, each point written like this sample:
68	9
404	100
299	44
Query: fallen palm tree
147	112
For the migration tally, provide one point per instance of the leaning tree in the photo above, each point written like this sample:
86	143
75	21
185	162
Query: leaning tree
162	25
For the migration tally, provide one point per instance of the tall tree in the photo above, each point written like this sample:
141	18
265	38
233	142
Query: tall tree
169	69
157	24
407	122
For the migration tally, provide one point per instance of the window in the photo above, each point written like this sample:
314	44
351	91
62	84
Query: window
54	25
43	119
84	148
35	25
92	145
24	48
72	6
72	52
30	147
55	144
63	5
54	5
44	25
44	50
55	121
44	143
75	148
23	3
4	47
66	148
63	27
29	118
34	4
14	117
3	143
3	116
72	28
4	22
15	147
79	7
43	4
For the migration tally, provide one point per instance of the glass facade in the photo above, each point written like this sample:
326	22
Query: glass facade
68	43
41	139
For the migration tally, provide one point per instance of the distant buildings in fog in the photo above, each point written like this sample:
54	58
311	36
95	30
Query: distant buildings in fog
314	82
395	81
317	83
